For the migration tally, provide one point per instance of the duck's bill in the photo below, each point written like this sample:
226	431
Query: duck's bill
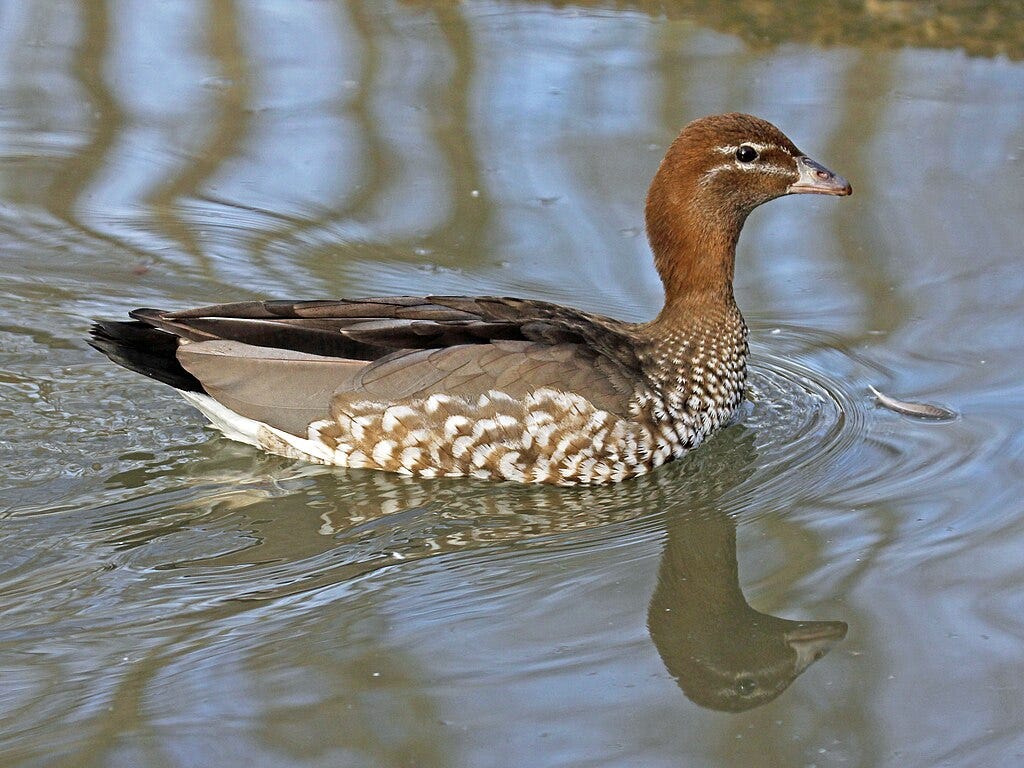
816	179
813	639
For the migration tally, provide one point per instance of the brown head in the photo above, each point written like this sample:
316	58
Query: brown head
714	174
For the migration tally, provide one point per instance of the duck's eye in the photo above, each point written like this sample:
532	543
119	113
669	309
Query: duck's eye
745	686
746	154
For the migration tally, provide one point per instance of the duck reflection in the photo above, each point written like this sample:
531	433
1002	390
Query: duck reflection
309	527
724	654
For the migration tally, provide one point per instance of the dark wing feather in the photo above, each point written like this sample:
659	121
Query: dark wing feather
142	348
372	327
415	346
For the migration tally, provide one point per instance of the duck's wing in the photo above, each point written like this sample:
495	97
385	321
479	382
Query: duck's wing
283	363
367	329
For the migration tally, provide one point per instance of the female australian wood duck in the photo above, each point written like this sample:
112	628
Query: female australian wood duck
498	388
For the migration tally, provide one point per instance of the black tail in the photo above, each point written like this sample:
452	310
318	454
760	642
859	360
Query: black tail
144	349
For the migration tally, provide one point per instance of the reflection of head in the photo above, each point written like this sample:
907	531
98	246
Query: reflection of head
724	654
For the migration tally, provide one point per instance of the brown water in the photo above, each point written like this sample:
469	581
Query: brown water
170	598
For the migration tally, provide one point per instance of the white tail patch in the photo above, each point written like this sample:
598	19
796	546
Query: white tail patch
233	425
255	433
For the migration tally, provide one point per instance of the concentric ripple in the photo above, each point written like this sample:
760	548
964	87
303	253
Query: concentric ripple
808	423
818	433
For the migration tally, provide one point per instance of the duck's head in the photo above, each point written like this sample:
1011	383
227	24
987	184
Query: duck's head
714	174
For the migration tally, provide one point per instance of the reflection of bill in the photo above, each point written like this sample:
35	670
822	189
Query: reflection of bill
724	654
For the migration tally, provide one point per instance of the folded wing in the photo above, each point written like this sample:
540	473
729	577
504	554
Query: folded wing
284	363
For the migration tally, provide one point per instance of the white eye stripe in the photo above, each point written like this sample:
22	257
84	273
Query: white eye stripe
737	166
731	150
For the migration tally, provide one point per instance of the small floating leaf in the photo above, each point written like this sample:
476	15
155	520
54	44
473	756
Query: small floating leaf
920	410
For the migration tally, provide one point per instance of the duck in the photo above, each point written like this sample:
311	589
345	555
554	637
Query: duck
490	387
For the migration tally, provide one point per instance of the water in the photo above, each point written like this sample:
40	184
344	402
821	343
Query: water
170	598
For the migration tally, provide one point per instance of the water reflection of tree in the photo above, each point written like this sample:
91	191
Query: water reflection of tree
864	255
981	27
365	185
452	125
453	131
231	110
75	174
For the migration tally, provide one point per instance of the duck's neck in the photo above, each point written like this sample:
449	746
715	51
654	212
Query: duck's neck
695	255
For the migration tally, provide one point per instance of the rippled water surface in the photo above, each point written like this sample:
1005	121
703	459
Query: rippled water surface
170	598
